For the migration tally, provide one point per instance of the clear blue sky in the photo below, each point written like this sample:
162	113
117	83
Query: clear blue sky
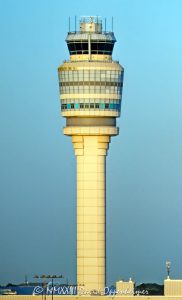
37	163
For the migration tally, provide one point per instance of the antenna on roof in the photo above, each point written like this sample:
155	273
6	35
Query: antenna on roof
75	24
112	23
69	24
105	24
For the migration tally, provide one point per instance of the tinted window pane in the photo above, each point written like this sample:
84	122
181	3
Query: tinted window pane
94	46
78	46
101	46
71	47
85	46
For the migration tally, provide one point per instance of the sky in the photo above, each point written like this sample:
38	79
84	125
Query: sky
37	162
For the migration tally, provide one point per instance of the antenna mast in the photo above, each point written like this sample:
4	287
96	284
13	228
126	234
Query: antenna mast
75	23
69	24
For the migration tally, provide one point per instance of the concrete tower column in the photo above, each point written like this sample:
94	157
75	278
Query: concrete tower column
91	154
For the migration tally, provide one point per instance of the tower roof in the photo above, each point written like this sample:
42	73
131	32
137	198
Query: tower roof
83	36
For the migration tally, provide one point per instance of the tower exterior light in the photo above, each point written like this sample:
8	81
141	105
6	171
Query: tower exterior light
90	93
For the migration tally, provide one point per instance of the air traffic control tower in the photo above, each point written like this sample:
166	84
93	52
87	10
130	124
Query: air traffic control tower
90	92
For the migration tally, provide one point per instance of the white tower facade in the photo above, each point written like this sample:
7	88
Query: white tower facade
90	92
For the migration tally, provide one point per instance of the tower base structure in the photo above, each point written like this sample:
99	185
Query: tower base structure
91	145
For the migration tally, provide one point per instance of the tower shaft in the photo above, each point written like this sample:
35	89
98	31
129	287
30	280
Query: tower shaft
91	154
